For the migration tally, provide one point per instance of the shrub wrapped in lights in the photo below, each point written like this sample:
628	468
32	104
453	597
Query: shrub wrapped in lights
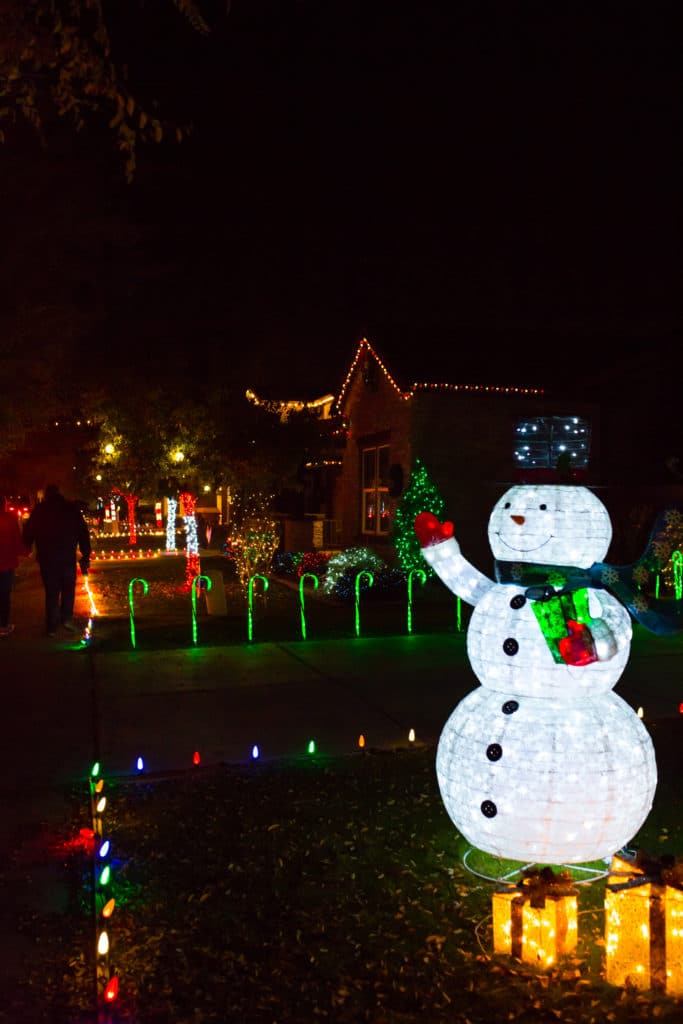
285	563
343	568
315	562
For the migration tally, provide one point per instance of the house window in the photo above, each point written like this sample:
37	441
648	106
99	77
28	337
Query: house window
375	474
539	442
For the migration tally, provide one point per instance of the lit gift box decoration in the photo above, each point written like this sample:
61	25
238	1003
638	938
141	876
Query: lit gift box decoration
536	920
644	923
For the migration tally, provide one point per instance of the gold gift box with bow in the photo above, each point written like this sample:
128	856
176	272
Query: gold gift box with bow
536	920
644	923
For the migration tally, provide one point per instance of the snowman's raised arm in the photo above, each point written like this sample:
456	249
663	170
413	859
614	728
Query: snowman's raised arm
441	551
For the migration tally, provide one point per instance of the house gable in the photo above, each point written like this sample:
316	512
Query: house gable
463	433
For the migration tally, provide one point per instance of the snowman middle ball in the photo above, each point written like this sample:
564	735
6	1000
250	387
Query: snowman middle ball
532	779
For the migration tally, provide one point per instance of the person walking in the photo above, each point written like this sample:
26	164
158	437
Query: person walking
57	528
10	548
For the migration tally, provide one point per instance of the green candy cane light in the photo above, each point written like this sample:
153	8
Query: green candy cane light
145	590
250	594
359	577
422	576
677	563
306	576
196	583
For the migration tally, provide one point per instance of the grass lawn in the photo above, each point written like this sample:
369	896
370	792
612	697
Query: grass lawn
306	890
294	891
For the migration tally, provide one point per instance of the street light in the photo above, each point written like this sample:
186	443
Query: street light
178	456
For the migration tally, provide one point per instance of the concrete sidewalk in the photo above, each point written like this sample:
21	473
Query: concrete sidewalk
67	705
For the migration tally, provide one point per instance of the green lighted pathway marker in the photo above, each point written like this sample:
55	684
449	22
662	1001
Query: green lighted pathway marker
306	576
250	592
145	590
422	576
371	580
196	582
677	563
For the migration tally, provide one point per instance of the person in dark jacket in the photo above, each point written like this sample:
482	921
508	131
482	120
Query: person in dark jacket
57	528
10	549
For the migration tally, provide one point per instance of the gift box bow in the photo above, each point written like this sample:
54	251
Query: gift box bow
539	884
645	869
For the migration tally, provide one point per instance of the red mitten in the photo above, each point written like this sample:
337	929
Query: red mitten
430	531
577	648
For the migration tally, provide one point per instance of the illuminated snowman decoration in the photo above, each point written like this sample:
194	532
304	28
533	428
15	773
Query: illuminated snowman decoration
542	762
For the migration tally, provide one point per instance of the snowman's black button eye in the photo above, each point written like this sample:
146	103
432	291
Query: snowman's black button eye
510	646
494	751
518	601
489	809
509	707
543	507
506	505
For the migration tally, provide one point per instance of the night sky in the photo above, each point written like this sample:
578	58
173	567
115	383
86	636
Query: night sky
482	189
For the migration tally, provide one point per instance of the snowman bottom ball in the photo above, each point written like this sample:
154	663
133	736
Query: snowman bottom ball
532	779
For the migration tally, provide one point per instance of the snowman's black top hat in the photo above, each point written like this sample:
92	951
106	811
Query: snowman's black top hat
546	475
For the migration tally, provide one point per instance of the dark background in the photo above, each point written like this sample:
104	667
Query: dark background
490	192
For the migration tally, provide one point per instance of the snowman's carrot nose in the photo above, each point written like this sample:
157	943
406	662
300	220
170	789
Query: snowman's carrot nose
517	519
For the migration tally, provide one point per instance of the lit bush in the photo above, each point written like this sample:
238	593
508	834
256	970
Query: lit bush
343	568
315	562
252	547
287	563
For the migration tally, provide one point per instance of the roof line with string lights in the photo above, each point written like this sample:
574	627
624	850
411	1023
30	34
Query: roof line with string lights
364	346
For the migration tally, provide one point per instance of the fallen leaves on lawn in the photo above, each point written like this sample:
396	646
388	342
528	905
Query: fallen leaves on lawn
307	890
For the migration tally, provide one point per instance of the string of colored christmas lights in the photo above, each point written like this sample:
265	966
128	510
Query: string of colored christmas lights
106	979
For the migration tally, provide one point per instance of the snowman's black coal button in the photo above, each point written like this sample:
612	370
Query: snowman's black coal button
494	751
489	809
510	646
509	707
518	601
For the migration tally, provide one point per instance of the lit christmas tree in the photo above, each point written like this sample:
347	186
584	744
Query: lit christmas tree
420	495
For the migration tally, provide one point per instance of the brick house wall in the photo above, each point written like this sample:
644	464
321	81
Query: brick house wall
464	438
376	413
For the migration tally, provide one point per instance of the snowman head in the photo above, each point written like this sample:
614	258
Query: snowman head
550	524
